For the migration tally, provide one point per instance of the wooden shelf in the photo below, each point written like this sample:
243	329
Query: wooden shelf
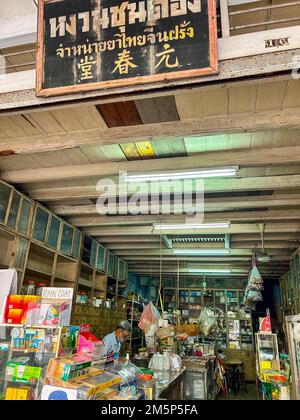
57	278
37	273
85	283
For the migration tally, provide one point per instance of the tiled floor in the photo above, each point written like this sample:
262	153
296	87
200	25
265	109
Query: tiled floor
251	394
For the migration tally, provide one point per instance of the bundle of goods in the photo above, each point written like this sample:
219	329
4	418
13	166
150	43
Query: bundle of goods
207	321
253	289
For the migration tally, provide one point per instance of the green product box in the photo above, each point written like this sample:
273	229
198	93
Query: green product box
26	374
74	370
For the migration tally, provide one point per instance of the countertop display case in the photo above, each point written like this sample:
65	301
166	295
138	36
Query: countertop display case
293	337
24	355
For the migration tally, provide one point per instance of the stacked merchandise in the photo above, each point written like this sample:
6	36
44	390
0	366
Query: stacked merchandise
24	356
166	335
82	379
52	308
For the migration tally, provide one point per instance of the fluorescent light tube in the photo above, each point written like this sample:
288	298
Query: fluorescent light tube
209	271
193	174
223	225
192	251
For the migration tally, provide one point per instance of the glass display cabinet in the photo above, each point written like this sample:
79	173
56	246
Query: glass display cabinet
110	263
101	258
14	210
24	356
40	224
293	337
54	230
67	239
25	216
267	352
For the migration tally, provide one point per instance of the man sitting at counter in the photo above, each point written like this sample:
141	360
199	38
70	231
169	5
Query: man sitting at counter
113	341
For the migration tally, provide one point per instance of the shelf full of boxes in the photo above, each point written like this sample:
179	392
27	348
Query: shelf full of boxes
235	325
47	251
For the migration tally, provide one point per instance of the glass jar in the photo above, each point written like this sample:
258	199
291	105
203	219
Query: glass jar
39	288
29	288
146	386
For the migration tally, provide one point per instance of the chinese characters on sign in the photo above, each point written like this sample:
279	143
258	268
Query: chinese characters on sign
87	44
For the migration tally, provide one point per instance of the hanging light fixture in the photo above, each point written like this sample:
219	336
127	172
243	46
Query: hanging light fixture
185	174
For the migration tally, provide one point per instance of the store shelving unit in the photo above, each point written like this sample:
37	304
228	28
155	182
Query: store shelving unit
45	248
134	311
236	331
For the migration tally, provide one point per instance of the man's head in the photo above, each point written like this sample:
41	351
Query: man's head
123	331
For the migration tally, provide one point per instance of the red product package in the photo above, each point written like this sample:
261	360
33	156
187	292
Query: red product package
14	316
13	302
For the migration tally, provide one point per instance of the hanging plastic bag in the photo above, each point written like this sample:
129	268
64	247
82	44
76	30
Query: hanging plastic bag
149	316
254	296
255	277
207	321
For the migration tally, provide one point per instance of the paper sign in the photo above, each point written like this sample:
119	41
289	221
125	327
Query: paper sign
57	393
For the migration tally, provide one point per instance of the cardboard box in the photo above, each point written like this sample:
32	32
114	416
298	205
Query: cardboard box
166	332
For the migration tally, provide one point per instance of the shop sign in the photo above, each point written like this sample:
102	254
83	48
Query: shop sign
100	44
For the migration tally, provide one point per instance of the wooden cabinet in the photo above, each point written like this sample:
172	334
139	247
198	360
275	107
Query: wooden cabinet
7	248
14	210
67	239
25	216
40	224
101	254
54	232
110	263
5	193
77	243
45	248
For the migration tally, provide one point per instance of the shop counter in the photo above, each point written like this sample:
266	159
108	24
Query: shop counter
200	382
169	384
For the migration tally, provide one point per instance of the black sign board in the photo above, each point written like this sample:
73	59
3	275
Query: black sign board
97	44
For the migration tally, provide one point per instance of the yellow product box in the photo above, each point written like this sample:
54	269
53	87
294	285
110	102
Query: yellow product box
19	394
265	365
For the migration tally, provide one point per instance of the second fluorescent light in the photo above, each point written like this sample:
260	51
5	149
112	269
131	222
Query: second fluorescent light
193	174
201	251
209	271
223	225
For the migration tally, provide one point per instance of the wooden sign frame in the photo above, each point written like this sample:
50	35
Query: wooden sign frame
122	83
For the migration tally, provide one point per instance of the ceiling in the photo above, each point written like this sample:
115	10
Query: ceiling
267	188
57	154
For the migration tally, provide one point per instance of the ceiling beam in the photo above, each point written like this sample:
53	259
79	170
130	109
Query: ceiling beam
253	121
272	251
257	157
276	259
208	217
210	204
210	186
234	228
